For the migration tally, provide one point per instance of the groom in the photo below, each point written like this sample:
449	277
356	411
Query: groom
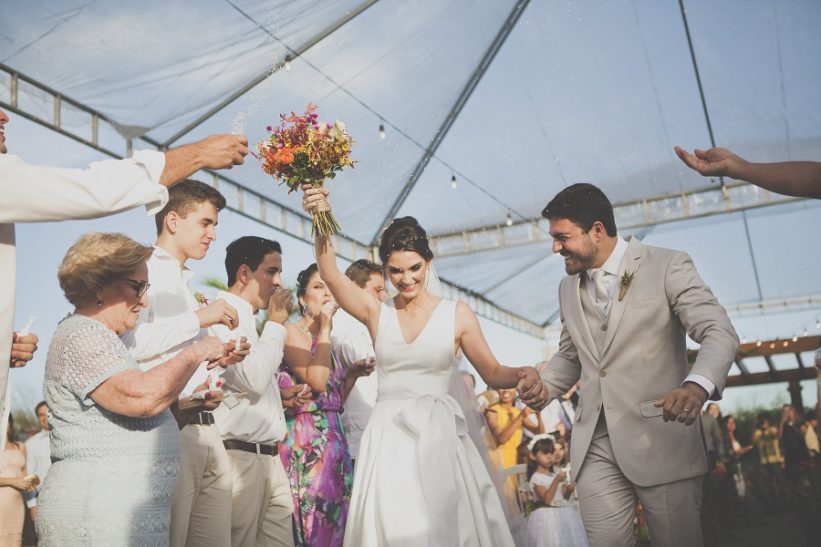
626	310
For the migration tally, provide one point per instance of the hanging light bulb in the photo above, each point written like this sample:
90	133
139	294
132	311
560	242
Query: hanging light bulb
382	134
785	344
453	182
795	338
758	344
509	220
805	332
818	323
287	63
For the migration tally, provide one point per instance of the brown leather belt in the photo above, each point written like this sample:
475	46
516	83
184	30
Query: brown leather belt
254	448
204	417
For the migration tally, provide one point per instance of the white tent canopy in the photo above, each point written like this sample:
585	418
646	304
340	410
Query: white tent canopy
513	99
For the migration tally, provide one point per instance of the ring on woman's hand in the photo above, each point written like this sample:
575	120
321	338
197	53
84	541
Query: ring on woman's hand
687	410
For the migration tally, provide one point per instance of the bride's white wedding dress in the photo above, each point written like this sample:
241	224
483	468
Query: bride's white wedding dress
419	479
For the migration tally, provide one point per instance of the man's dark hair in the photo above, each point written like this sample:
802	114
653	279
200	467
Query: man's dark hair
37	408
248	250
185	196
361	271
582	204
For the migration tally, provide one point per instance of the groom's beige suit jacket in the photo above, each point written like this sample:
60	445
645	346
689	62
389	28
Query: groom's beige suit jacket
643	357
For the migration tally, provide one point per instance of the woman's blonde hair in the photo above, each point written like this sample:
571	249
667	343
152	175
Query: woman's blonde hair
96	261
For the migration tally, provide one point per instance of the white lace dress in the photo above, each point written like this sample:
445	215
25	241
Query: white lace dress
113	477
419	479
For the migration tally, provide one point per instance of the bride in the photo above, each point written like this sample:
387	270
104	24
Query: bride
419	479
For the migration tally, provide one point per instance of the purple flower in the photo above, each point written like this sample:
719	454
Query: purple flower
269	128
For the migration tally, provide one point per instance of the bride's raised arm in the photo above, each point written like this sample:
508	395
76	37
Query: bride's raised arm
350	297
473	344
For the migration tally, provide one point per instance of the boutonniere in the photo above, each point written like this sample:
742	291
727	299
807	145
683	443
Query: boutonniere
201	300
626	279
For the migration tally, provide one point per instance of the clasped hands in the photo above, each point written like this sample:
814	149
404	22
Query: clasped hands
531	389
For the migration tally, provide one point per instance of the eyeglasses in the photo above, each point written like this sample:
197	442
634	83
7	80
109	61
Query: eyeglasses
140	287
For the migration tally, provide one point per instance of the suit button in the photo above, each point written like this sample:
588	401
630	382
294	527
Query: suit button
604	327
603	373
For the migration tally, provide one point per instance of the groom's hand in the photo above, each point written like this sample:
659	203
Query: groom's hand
683	404
532	390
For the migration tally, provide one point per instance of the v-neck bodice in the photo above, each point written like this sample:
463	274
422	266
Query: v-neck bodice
423	365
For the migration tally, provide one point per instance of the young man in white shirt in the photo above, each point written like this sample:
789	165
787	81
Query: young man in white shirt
38	455
353	347
251	418
201	511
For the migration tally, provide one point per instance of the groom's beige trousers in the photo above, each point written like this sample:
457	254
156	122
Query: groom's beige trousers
607	501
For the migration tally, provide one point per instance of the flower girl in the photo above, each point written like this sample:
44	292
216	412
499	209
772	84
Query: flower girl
554	522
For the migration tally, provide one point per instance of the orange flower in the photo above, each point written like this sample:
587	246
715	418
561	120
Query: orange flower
284	155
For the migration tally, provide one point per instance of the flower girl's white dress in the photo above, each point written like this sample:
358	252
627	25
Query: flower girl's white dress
419	479
559	525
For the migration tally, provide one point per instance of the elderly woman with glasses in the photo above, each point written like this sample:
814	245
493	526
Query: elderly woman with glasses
114	442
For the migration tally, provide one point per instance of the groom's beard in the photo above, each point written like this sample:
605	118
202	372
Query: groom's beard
578	262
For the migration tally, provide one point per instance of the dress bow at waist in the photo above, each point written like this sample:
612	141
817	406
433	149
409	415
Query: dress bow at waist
438	422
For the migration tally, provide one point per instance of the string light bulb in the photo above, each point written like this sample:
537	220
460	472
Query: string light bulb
795	338
453	182
758	344
509	220
382	134
806	332
287	63
818	323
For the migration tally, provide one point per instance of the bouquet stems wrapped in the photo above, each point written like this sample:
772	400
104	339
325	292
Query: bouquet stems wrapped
302	150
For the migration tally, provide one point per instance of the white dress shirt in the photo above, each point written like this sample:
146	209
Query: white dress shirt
169	322
612	282
258	416
34	193
351	342
38	460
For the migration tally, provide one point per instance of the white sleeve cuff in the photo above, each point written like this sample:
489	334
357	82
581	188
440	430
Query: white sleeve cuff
154	163
703	382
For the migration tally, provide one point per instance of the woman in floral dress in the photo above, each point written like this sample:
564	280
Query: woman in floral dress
315	454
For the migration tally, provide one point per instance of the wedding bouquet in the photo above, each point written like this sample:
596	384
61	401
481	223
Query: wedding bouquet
302	150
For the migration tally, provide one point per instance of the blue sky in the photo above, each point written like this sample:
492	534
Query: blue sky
40	248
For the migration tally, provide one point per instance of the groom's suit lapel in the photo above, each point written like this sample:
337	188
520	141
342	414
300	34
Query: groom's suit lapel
630	264
577	315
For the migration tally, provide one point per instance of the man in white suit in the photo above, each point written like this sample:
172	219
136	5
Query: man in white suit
626	310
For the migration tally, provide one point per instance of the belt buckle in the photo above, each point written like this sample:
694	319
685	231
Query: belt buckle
257	446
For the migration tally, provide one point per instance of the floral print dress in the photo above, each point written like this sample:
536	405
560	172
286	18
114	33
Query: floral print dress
315	456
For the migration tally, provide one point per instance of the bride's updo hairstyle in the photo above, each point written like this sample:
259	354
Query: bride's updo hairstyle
404	234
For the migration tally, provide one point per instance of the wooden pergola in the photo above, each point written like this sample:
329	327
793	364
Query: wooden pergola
768	348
